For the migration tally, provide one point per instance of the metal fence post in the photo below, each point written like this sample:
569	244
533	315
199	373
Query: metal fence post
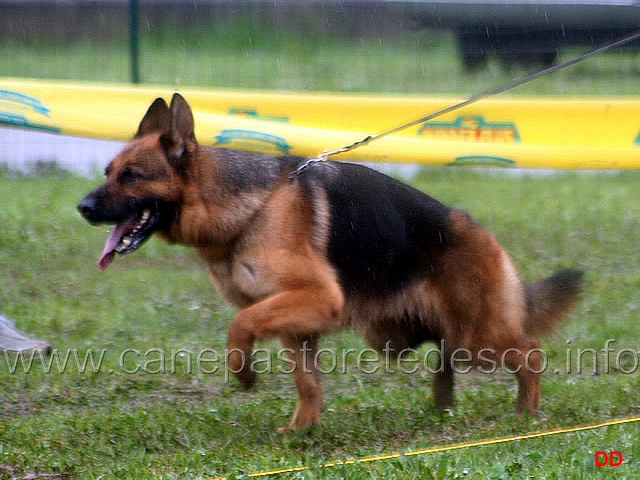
134	21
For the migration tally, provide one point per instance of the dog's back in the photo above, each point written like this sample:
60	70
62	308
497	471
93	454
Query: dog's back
383	234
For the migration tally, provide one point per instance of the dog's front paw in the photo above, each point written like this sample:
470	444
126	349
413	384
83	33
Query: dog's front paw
247	378
239	363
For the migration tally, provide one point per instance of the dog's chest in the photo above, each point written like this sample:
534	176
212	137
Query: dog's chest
240	282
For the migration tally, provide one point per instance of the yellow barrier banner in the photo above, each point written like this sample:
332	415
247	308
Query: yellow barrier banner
558	132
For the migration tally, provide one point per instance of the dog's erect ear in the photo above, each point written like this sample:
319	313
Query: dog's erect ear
181	140
157	119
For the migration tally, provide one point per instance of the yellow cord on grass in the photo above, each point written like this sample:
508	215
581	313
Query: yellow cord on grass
445	448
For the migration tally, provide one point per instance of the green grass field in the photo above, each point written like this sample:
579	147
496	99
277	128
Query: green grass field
238	55
141	410
131	391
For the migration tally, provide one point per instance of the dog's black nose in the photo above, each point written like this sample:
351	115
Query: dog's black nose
87	207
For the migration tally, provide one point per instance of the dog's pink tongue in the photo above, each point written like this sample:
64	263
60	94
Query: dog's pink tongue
108	254
105	259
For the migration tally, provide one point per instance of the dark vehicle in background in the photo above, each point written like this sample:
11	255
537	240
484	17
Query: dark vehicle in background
525	31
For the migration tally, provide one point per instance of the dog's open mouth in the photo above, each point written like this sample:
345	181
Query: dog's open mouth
128	236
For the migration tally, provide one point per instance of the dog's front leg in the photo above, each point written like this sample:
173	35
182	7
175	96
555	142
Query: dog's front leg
303	351
239	349
297	317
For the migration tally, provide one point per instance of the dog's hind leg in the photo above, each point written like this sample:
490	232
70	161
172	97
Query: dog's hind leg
442	384
529	381
524	358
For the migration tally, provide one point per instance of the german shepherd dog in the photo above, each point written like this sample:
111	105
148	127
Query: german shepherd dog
303	252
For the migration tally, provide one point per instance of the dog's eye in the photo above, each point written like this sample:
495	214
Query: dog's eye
129	175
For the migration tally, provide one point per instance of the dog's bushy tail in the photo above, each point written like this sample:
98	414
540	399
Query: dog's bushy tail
549	299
